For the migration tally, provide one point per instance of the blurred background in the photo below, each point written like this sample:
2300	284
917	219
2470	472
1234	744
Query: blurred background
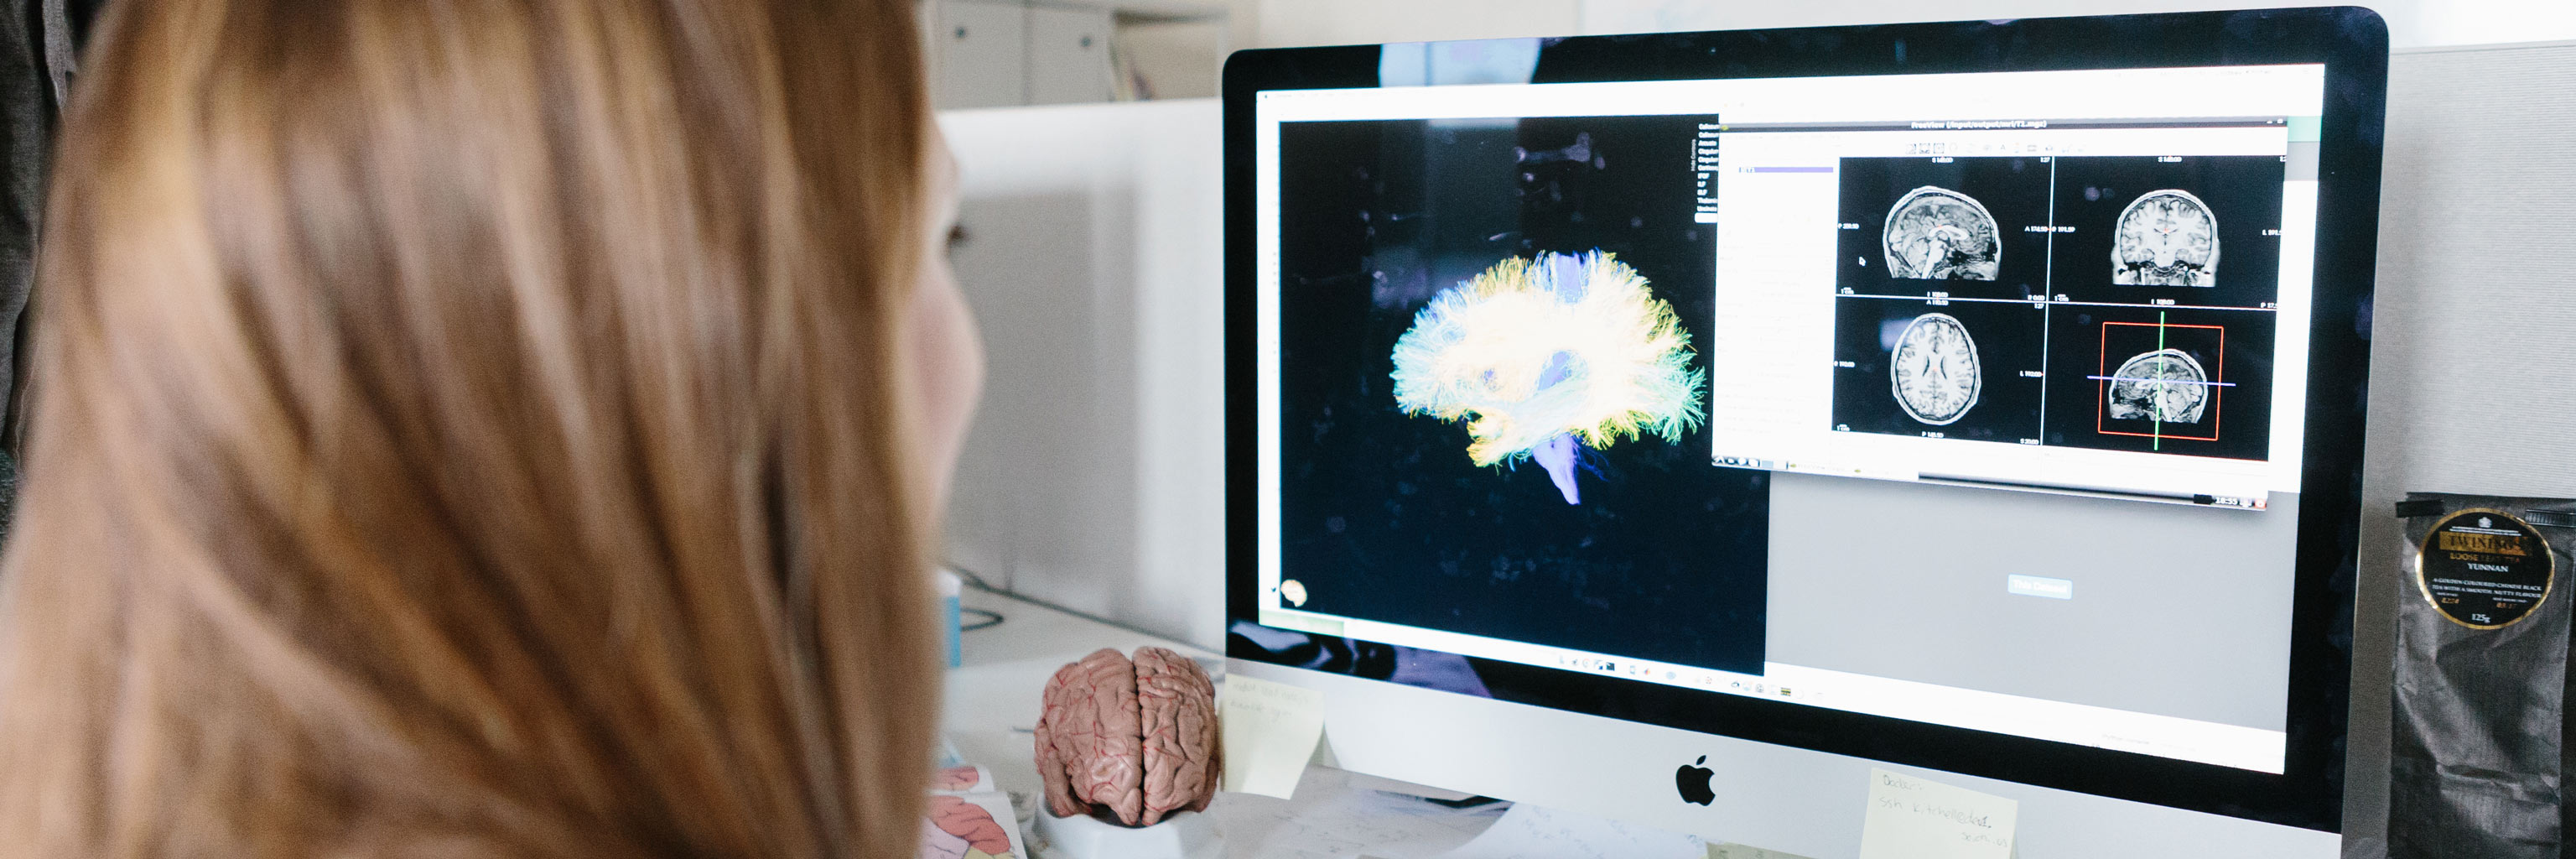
1088	135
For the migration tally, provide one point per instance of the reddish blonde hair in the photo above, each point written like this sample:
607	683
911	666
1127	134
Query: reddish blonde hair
469	428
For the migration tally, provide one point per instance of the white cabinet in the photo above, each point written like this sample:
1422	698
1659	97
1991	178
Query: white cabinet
982	52
993	53
1069	54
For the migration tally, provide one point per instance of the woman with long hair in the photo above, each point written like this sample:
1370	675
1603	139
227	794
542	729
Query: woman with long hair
485	428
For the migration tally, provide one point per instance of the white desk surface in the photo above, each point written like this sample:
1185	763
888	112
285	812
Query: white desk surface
993	701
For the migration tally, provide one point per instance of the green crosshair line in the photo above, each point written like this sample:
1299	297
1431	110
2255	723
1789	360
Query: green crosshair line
2156	404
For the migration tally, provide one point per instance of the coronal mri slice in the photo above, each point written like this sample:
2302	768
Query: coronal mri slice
2165	238
1934	369
2164	385
1935	233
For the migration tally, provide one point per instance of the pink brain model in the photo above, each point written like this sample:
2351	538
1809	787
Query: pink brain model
1133	740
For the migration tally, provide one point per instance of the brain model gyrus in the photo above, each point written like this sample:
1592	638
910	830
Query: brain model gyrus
1129	741
1544	358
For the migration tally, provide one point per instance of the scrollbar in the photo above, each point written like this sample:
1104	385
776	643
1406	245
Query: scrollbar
2238	502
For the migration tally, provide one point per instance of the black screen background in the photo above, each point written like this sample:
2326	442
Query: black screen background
1383	516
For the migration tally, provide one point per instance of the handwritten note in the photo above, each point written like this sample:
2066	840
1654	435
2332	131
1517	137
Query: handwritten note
1911	818
1269	731
1532	832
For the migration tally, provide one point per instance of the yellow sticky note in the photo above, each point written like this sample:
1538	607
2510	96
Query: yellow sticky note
1911	818
1732	850
1270	730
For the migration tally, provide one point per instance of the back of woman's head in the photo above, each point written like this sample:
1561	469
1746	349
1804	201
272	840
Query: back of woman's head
475	428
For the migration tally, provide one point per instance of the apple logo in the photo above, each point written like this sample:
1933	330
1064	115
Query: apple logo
1692	781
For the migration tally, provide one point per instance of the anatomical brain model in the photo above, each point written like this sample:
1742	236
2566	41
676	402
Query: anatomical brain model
1129	740
2165	238
1935	233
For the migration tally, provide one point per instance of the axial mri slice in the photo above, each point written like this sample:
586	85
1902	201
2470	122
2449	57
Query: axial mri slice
1939	234
2165	385
1934	369
2165	238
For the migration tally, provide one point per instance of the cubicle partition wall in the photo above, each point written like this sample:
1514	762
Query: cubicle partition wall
2474	331
1093	261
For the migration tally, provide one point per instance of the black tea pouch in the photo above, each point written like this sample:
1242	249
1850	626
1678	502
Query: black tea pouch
2477	746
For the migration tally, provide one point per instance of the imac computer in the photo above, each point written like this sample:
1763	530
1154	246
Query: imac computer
1675	427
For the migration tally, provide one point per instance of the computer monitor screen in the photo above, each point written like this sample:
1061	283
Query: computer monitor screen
1972	396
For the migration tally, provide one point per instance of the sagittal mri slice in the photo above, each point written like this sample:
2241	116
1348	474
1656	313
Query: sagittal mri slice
2165	238
1935	233
1934	369
2165	385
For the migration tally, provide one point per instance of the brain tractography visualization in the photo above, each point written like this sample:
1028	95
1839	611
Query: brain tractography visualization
1543	358
1935	233
1934	370
2165	386
2165	238
1480	321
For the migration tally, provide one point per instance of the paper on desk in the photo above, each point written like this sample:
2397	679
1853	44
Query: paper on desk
965	825
1269	732
964	778
1912	818
1532	832
1333	817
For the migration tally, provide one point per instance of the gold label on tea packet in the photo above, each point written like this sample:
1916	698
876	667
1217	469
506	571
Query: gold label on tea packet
2485	569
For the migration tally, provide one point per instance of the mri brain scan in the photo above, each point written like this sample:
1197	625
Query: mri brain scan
2165	238
2165	385
1939	234
1934	369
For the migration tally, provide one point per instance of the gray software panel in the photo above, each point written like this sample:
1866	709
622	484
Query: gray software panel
2175	610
